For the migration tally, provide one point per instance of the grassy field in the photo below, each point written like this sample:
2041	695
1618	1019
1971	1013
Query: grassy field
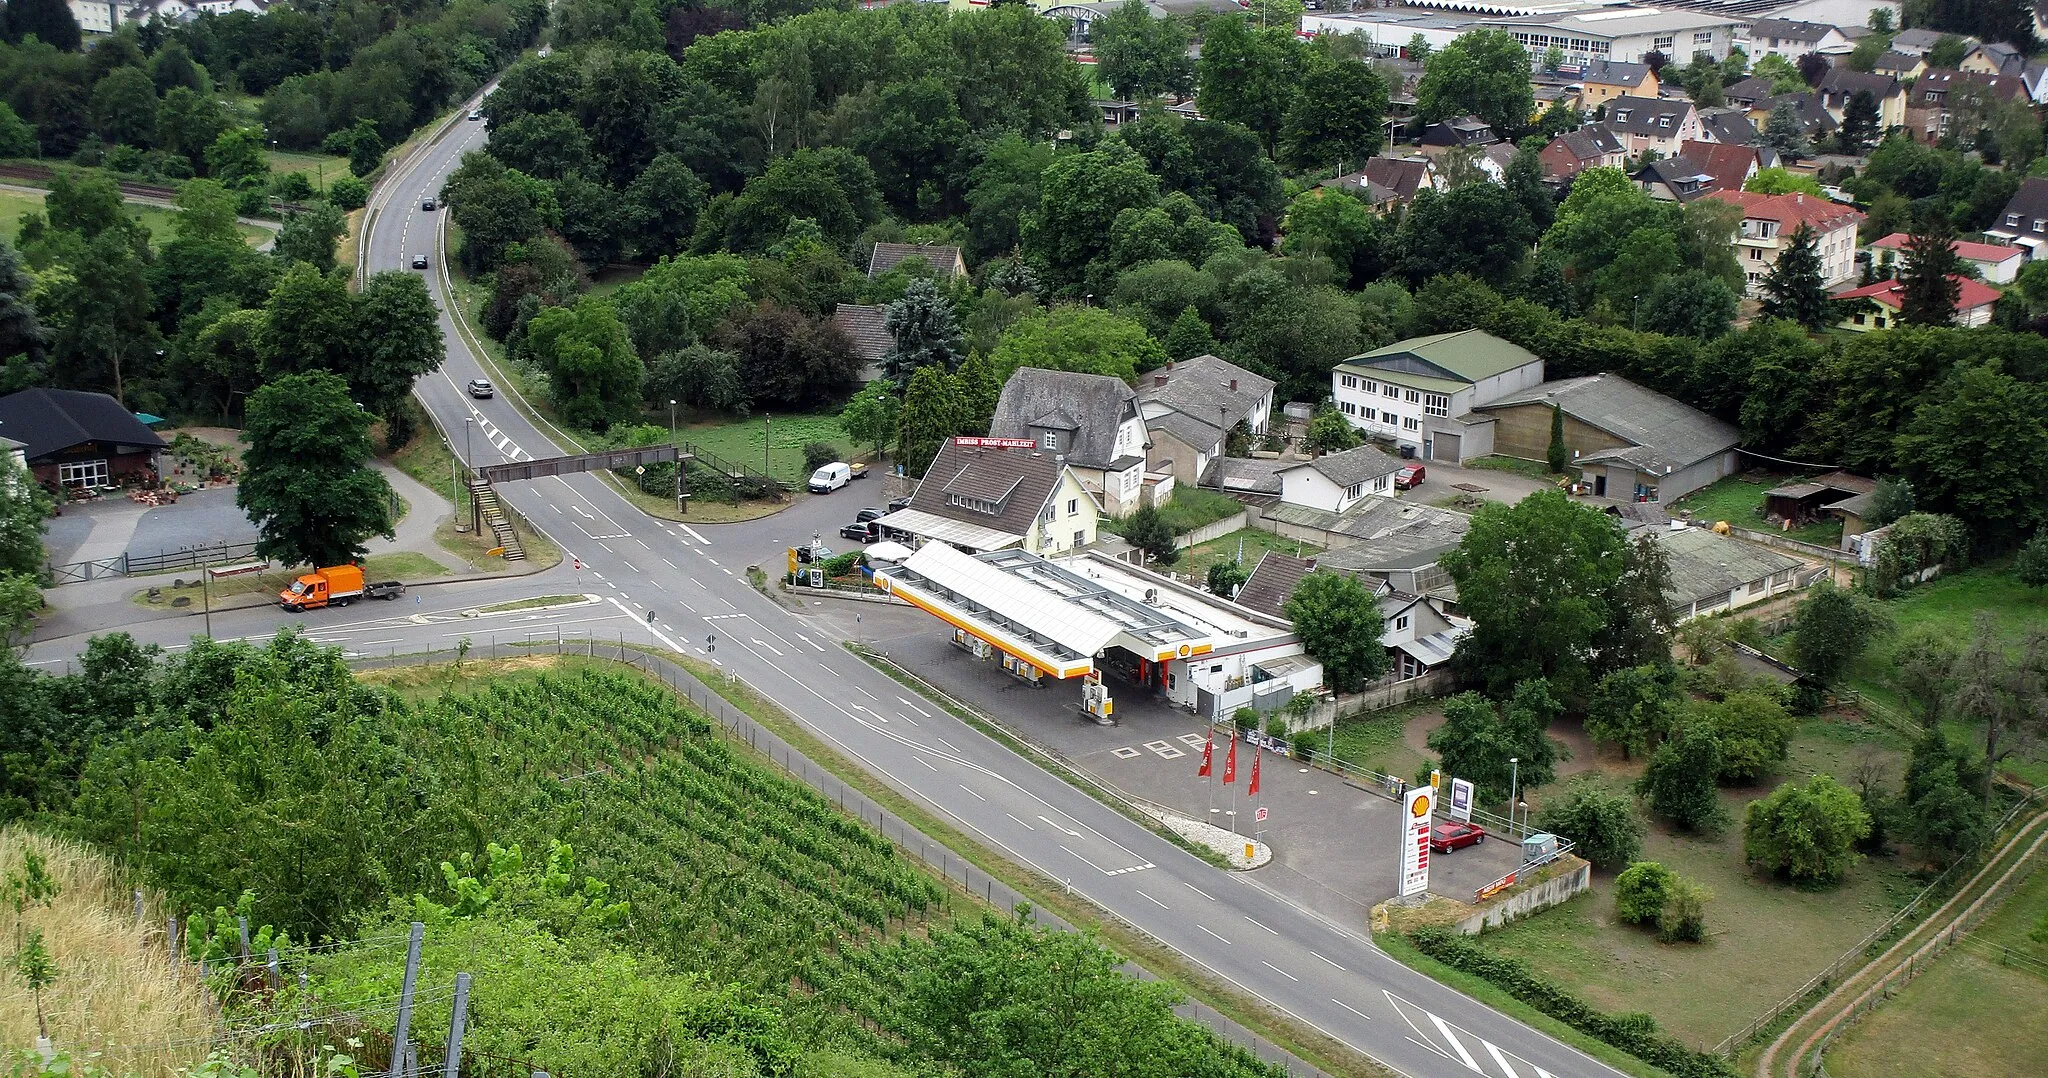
1374	739
1534	469
1739	500
155	218
1766	938
739	441
1195	561
403	565
1977	1011
320	169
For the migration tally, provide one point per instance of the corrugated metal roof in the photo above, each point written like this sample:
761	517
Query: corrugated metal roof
1017	600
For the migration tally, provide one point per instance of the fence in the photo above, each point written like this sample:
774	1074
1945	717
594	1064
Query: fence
163	561
1794	545
971	878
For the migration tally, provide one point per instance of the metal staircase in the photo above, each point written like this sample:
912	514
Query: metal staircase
486	510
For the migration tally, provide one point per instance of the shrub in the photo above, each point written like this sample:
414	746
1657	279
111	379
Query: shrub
819	454
1245	719
1640	891
1684	916
1603	827
1807	834
348	192
1754	732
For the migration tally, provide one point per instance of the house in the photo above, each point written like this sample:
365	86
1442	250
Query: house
1549	88
1919	41
1648	123
1605	80
2024	221
1398	543
1791	39
1253	480
944	259
1089	420
2035	75
984	494
1627	442
1728	127
1731	166
1459	131
1994	58
1494	159
1941	94
867	326
1675	179
1337	481
1417	635
1117	113
1841	85
1747	92
1628	34
1877	306
1998	263
1573	152
1190	408
73	440
1712	573
1387	182
1418	393
1768	219
1813	118
1903	66
1806	500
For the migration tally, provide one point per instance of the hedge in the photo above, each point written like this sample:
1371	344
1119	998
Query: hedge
1634	1033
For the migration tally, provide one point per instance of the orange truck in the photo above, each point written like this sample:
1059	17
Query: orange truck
336	585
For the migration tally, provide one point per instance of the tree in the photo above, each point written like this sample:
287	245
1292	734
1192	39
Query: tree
1338	115
1684	916
1534	577
872	415
1754	732
48	21
1806	833
593	373
188	122
1225	577
1141	56
1633	707
1929	286
1080	196
32	962
832	186
306	478
1640	892
1558	454
1693	303
2030	567
1892	499
1980	415
1783	132
705	377
1330	432
400	341
1189	336
1603	827
1339	624
1497	749
931	414
1949	49
24	510
1149	532
1943	813
1249	75
1831	627
1481	229
1778	180
1484	73
1679	784
124	108
1089	340
311	236
2008	695
20	601
309	323
1860	119
925	333
17	138
1794	288
236	161
789	359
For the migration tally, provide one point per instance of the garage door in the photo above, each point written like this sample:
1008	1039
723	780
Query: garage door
1446	447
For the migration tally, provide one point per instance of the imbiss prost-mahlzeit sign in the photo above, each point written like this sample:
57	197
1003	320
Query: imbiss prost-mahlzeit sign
1415	840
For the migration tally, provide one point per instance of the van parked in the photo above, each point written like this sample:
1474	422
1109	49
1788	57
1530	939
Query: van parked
831	477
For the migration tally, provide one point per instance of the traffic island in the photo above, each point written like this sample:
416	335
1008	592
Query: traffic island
1242	853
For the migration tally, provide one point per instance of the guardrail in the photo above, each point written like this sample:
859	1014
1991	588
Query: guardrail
1508	880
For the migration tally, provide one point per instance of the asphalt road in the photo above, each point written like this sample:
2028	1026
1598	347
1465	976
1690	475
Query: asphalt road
692	580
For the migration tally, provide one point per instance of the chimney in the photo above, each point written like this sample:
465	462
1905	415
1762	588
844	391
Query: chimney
1233	385
1158	381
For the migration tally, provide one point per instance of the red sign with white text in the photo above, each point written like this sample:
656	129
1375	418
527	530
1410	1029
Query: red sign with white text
995	443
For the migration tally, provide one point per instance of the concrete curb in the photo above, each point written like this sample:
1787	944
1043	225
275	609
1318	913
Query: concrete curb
1221	839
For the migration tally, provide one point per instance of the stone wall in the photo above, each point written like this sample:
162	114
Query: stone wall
1540	897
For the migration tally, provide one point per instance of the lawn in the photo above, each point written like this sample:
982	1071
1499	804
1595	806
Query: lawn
320	169
1766	938
1254	542
155	218
739	441
1972	1013
1534	469
1375	739
1739	500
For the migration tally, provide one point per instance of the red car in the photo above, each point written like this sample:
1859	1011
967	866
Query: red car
1409	477
1449	835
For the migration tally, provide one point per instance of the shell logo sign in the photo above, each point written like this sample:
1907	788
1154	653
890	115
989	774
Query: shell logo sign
1415	841
1418	806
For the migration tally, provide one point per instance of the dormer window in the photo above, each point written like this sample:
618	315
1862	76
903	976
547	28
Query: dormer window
976	505
1664	121
1049	441
1621	116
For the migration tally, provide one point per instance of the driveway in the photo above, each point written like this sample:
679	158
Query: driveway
1446	481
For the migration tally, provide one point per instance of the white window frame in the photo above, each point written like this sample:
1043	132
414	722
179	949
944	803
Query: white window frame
1400	622
1050	440
1073	507
1437	404
1414	396
1410	423
87	474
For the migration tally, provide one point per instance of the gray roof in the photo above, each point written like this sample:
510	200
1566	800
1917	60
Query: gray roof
1469	355
1664	434
2007	59
1196	387
1353	465
1086	408
1588	143
1272	582
1857	506
1380	533
1648	116
1685	180
1917	41
1248	475
867	327
944	259
1788	30
1752	89
1614	72
47	421
1897	61
1705	565
1843	81
2029	202
1015	482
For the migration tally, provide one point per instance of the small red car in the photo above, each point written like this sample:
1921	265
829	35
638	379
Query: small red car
1409	477
1448	835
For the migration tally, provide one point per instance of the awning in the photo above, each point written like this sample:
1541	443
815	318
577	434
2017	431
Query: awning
947	530
149	420
1432	649
1019	602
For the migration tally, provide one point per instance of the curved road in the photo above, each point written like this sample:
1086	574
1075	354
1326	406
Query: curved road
691	579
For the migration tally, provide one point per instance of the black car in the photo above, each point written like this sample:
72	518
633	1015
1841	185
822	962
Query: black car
899	503
419	261
870	513
481	388
427	204
860	530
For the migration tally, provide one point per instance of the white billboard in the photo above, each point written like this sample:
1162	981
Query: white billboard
1415	840
1461	800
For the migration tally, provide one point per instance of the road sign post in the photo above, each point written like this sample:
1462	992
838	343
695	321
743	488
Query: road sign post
1415	806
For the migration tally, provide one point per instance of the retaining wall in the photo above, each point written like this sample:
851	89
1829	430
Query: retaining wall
1540	897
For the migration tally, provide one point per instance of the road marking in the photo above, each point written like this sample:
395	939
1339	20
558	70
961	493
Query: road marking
1154	901
629	565
711	559
866	693
1084	860
694	535
1500	1059
1164	751
580	512
1457	1045
607	549
1057	827
970	789
1248	918
1332	963
668	563
656	583
915	708
1125	753
643	543
1027	826
386	640
1345	1005
1196	890
1205	928
923	761
1279	971
767	645
943	741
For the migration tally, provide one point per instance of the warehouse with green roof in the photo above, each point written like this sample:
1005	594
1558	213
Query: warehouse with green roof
1420	393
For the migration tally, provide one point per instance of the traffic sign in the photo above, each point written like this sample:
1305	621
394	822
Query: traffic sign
1260	816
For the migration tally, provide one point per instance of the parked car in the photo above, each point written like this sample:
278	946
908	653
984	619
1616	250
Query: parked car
1409	477
336	585
861	530
427	204
1448	835
419	261
899	503
870	513
830	477
481	388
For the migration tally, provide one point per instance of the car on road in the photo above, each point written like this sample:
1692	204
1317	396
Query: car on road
1448	835
1409	477
419	261
427	204
859	530
476	114
481	388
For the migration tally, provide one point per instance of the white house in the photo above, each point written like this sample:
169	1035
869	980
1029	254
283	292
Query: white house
1337	481
1418	392
1090	421
1997	263
1768	221
1644	123
1791	39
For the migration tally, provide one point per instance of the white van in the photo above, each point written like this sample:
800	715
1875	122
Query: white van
831	477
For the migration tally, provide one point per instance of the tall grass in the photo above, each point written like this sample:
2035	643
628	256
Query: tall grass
115	994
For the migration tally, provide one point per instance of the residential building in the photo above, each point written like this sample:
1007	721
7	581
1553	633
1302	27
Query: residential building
1919	40
1877	306
944	259
1998	263
866	325
1335	482
1627	442
1712	573
1747	92
2024	222
1605	80
1728	127
1841	84
984	494
1494	159
1653	123
1622	33
1942	94
1459	131
1995	58
1791	39
1815	122
1190	407
1573	152
1731	166
1417	393
1387	182
1675	179
76	440
1553	88
1903	66
2035	75
1417	635
1768	219
95	16
1089	420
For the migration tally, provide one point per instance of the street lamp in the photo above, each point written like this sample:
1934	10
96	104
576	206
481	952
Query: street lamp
1514	787
468	458
1222	447
671	422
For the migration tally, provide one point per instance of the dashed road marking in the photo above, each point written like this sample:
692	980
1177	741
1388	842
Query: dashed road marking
1279	971
1026	826
1196	890
1133	868
1205	928
1332	963
1154	901
970	789
1248	918
1345	1005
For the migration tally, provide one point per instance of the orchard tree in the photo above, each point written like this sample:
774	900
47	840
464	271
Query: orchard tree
307	480
1339	624
1754	732
1679	784
1831	628
1633	708
1498	749
1806	833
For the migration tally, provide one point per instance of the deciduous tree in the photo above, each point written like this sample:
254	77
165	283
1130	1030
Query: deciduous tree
1484	73
1633	708
1806	833
1497	749
307	482
1679	784
1141	55
1831	627
932	412
1603	827
1339	625
593	373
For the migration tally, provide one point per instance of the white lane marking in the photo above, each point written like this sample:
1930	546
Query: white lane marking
607	549
656	583
1026	826
948	744
1332	963
922	760
1278	970
711	559
629	565
767	645
694	535
386	640
1248	918
1196	890
1348	1006
970	789
1457	1045
1057	827
915	708
1500	1059
1087	862
1205	928
866	693
643	544
580	512
668	563
1154	901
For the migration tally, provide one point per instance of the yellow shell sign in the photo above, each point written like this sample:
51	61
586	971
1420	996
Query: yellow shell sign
1420	808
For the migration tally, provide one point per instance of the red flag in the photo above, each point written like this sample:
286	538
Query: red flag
1256	756
1208	749
1230	763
